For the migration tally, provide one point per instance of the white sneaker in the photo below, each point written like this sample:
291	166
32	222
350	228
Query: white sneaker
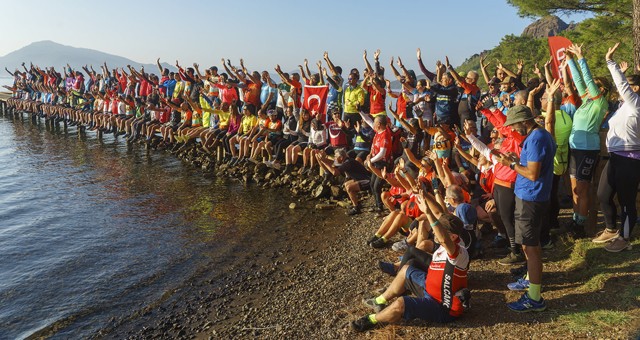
400	245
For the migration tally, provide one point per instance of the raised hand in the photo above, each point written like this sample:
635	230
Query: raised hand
306	62
364	54
391	62
499	65
418	53
399	62
319	63
326	55
483	58
537	89
553	87
624	66
357	126
278	69
446	60
195	65
469	127
536	69
548	62
520	63
577	50
324	71
376	54
610	52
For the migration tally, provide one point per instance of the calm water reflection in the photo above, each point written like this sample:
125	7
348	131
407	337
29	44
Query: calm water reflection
91	230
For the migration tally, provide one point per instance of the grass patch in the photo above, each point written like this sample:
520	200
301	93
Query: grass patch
595	322
595	283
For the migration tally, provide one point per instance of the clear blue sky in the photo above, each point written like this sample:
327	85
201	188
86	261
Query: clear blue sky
265	32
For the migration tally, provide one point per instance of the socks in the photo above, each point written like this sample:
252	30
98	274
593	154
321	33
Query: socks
534	291
372	318
377	235
381	300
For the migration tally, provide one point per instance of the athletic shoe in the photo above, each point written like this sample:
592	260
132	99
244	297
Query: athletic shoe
400	245
499	242
521	284
606	236
372	239
618	245
548	245
387	267
371	303
362	324
526	304
379	243
353	211
512	259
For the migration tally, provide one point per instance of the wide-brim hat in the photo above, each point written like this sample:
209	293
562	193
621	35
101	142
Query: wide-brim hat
517	114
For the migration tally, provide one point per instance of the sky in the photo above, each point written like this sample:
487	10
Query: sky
265	33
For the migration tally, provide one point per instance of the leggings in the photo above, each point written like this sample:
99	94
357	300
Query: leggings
620	177
280	146
506	205
376	184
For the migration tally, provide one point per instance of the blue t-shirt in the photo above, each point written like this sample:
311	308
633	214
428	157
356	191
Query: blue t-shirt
467	214
264	93
537	147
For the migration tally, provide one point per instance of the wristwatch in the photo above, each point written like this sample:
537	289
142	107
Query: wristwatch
512	165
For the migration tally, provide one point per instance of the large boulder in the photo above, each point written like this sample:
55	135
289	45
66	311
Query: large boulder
546	27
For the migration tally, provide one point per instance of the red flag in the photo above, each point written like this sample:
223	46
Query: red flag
557	46
315	100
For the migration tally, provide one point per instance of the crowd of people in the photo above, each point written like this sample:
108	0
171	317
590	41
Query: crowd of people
447	160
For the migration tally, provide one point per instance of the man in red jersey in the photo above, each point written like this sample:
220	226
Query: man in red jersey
440	292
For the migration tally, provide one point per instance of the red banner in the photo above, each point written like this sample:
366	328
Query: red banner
315	100
557	46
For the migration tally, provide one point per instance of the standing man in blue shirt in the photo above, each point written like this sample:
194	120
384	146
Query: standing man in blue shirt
533	192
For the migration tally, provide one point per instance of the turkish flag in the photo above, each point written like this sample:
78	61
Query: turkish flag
557	46
315	100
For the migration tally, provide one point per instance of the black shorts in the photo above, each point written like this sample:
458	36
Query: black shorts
529	217
582	164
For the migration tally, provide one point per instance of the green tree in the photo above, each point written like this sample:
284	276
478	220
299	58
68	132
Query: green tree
626	12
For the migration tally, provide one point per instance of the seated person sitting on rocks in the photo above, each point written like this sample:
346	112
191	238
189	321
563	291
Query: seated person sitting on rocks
356	172
317	141
439	291
303	131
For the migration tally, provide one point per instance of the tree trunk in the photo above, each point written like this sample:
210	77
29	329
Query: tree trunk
636	32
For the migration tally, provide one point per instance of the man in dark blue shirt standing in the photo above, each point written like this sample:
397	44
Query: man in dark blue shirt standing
533	193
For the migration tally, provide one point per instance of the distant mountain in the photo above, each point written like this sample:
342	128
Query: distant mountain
547	27
48	53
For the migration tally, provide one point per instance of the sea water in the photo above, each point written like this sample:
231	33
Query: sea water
93	230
